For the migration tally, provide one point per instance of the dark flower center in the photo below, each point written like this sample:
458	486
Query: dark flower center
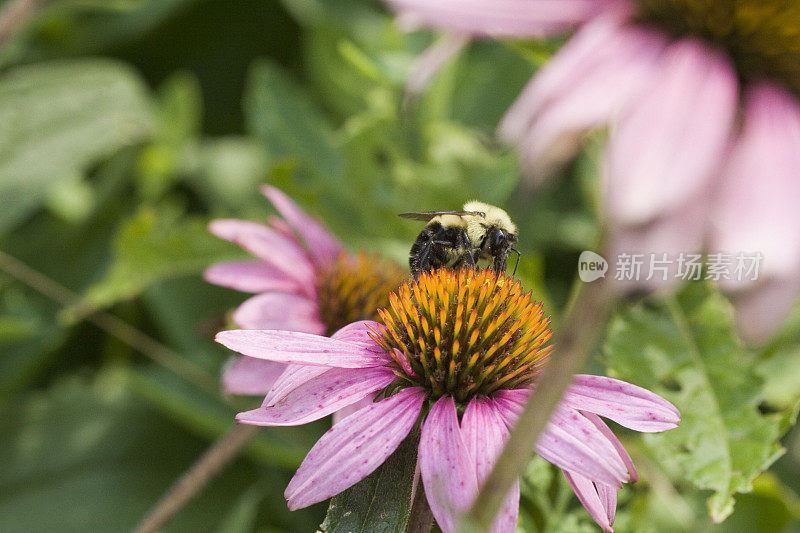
762	37
354	288
465	333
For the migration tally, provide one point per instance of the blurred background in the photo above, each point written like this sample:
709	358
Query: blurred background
126	125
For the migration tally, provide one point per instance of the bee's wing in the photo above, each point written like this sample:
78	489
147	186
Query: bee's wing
428	215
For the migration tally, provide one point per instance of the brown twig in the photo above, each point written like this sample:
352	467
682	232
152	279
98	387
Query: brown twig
201	472
15	14
120	329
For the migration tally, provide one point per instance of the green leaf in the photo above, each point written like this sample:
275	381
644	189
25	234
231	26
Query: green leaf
153	246
58	118
280	113
686	351
381	503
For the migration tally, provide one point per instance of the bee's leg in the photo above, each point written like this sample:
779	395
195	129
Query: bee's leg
468	257
500	262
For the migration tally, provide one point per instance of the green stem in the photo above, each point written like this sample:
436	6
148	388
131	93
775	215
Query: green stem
584	320
420	519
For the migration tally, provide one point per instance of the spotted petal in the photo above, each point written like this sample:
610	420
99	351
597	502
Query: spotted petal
445	462
300	348
484	433
319	397
354	448
251	376
600	500
626	404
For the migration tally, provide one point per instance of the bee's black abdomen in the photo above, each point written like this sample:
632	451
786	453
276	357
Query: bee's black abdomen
437	246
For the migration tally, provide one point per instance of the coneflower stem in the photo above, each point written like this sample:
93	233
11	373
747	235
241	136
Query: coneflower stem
585	319
420	519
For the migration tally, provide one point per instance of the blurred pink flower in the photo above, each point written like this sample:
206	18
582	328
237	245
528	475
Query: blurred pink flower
303	278
701	99
498	359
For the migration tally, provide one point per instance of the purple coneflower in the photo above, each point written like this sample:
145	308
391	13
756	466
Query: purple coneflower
463	350
304	281
702	99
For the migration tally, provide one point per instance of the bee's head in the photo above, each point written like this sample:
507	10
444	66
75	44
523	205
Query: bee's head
498	241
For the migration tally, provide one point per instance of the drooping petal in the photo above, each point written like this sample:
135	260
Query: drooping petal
322	245
320	396
581	88
757	209
623	453
292	377
268	245
250	376
761	310
658	247
624	403
571	442
484	433
250	276
354	448
671	138
277	310
500	18
587	494
446	465
300	348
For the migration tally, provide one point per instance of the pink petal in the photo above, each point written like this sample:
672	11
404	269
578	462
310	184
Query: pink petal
250	376
359	333
277	310
628	405
250	276
571	442
484	434
344	412
354	448
588	495
676	233
669	140
322	245
500	18
757	208
270	246
583	87
292	377
427	65
761	310
446	465
621	451
301	348
320	396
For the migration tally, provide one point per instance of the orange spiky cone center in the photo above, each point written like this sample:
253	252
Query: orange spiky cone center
464	333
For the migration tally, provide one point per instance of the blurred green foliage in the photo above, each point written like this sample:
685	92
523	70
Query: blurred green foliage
126	126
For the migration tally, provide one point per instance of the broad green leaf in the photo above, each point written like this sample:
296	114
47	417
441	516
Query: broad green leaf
685	350
155	245
381	503
58	118
280	113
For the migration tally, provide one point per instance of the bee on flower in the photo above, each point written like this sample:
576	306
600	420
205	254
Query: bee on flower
459	351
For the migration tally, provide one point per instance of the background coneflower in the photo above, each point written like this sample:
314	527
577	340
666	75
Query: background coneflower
304	280
702	99
463	350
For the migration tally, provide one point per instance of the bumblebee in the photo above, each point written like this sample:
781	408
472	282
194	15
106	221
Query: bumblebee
455	239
